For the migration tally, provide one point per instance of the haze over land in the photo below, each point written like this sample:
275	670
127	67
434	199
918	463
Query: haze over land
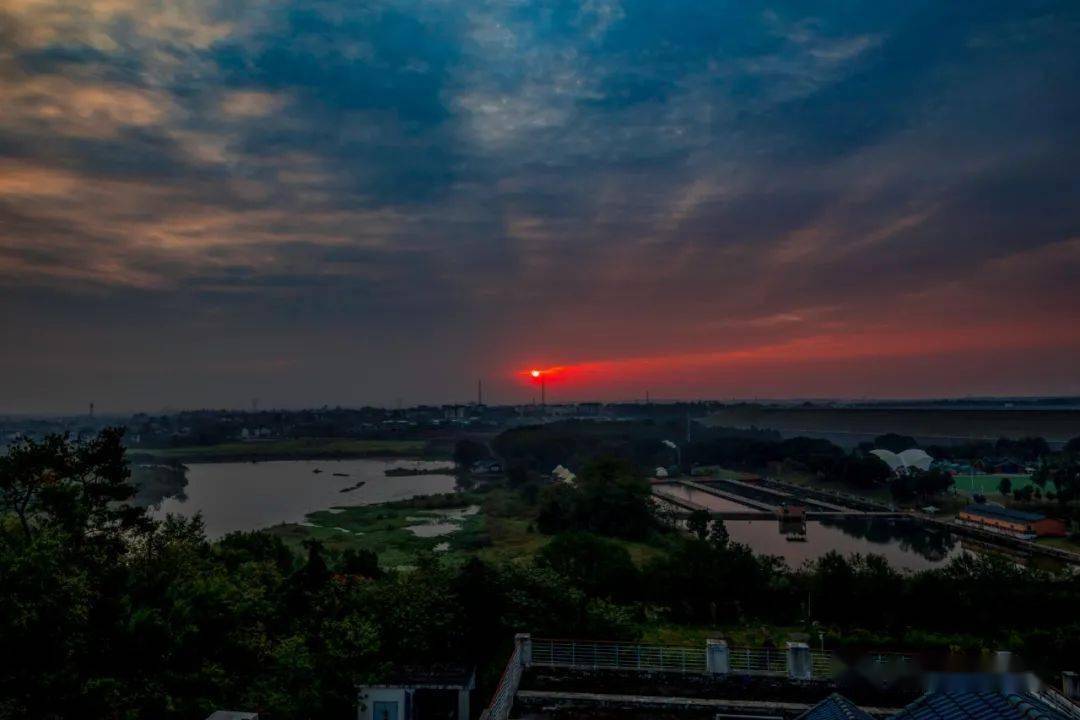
348	203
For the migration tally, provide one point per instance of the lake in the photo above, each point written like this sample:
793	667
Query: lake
250	496
904	543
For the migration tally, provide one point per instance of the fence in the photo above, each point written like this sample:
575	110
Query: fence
617	656
797	661
503	699
761	661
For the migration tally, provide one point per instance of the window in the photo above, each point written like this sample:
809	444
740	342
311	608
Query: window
383	710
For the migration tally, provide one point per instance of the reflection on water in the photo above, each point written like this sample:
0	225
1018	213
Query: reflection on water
903	542
933	544
249	496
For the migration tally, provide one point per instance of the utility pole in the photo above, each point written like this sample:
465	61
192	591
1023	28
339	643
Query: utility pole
479	392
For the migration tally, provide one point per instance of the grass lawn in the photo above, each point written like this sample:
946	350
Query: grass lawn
298	448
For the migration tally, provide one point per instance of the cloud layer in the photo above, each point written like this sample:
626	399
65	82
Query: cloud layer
332	202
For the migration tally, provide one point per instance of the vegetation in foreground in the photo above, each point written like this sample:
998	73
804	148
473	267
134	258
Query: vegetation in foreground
107	613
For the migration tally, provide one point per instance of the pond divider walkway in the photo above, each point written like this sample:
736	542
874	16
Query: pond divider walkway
757	510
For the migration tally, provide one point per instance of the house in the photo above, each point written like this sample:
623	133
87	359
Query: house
1019	524
418	693
562	474
486	467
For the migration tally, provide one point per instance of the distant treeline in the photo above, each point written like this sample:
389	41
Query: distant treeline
645	445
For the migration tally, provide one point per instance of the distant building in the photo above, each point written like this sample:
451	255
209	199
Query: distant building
1018	524
486	467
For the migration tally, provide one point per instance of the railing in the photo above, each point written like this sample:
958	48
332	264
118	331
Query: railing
503	699
762	661
798	662
824	664
617	656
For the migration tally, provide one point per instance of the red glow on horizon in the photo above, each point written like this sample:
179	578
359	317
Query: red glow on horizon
836	359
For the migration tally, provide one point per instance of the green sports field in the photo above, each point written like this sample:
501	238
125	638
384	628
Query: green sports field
988	484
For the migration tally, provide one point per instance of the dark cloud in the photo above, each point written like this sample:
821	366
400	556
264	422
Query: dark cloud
350	202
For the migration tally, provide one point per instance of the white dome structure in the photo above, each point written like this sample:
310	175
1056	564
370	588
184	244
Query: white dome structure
902	462
916	458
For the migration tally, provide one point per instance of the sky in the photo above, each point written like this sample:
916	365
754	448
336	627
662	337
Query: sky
337	202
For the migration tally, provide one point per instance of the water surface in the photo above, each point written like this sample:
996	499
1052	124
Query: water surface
250	496
904	543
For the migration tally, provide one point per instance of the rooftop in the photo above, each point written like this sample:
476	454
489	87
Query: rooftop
980	706
1002	513
834	707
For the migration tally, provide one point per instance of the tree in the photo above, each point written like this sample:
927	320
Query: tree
1072	447
719	535
598	566
1005	486
467	452
698	523
1066	476
934	481
609	498
362	562
557	509
1041	475
83	488
863	472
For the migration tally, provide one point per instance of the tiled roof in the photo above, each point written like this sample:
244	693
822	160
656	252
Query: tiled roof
834	707
979	706
997	511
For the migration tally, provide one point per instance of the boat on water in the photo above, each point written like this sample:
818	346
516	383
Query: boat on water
341	474
316	471
357	486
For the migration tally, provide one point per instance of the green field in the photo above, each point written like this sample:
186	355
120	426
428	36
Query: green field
293	449
502	531
383	528
988	484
